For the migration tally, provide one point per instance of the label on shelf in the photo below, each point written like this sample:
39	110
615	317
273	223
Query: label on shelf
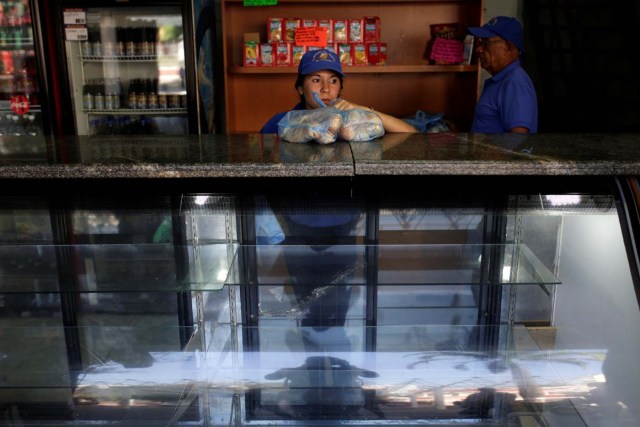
74	16
76	33
311	36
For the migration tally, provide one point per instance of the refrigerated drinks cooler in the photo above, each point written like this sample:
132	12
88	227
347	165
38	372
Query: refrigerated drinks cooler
129	68
20	100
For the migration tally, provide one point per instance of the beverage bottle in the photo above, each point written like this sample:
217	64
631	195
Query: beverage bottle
87	97
117	87
130	45
32	128
96	44
98	97
108	94
119	49
153	40
144	42
142	102
109	43
133	96
152	97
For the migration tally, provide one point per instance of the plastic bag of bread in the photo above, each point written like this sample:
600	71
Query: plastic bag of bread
360	125
320	125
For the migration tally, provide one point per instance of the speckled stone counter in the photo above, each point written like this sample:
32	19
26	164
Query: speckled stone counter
264	156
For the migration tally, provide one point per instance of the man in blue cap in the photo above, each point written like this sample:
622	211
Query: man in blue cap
320	71
508	101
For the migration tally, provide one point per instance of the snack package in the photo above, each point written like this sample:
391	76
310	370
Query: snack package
360	125
320	125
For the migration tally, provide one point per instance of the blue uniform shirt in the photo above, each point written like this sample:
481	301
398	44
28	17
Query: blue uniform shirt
508	100
272	125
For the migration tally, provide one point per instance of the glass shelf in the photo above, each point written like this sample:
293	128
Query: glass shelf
123	111
413	265
409	382
152	267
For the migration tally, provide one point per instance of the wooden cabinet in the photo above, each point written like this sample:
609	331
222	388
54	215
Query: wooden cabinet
406	84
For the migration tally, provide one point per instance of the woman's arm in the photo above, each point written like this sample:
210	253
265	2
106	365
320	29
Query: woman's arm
390	123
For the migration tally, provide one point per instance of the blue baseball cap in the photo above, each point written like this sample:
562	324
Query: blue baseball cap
321	59
502	26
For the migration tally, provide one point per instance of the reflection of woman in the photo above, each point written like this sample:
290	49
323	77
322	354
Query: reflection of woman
320	258
320	71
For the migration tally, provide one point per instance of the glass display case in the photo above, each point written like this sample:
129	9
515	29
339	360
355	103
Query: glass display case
321	307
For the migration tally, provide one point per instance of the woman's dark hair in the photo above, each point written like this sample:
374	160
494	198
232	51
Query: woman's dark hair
300	83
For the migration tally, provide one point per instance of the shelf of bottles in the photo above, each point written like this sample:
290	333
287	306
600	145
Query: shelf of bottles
18	70
124	105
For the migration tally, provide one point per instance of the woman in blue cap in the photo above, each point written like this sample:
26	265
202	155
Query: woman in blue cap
320	71
508	101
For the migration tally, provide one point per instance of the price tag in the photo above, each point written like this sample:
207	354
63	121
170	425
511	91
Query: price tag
76	33
74	17
311	36
260	2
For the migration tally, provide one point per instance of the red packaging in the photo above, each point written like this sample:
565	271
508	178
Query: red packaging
296	54
344	52
356	30
250	54
283	54
290	25
359	54
308	23
373	53
340	30
266	55
328	24
371	29
383	54
274	29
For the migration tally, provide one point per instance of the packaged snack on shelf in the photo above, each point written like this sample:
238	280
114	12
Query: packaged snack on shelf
383	53
328	24
266	55
283	54
290	25
340	29
359	54
308	23
333	47
274	29
250	54
371	29
344	52
356	30
373	54
296	54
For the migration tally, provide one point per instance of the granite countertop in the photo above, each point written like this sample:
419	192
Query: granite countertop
230	156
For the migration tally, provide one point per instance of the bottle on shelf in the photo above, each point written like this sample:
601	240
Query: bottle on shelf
98	95
152	95
152	34
141	99
120	41
87	97
130	45
31	128
133	94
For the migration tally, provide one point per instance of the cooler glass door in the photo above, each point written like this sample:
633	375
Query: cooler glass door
20	108
128	76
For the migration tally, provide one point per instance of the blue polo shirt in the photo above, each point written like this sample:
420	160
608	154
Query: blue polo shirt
272	125
508	100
